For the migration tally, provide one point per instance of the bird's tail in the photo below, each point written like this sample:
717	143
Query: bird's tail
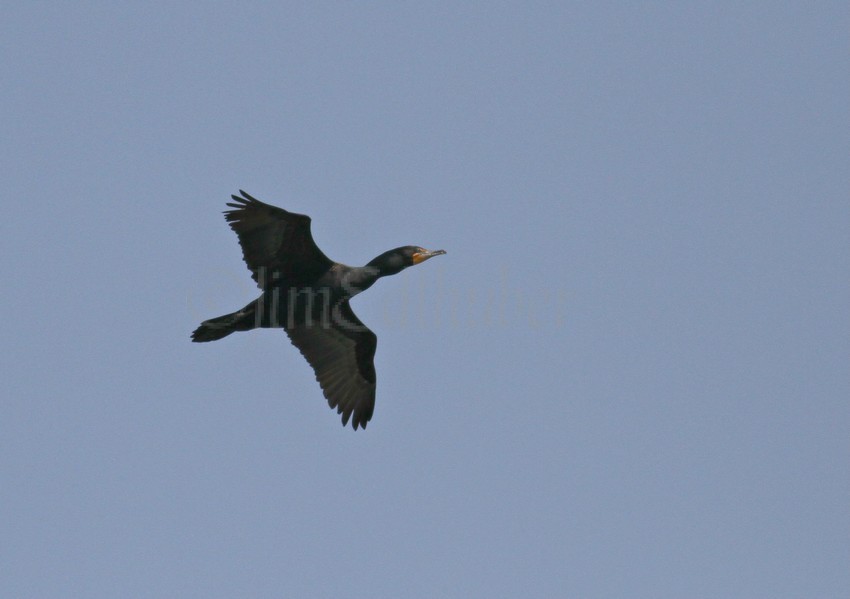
220	327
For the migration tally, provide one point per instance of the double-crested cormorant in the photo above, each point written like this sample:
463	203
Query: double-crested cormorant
306	294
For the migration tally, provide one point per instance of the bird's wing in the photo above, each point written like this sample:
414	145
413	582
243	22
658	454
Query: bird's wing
276	244
342	356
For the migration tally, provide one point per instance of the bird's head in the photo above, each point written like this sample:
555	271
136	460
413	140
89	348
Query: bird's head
394	261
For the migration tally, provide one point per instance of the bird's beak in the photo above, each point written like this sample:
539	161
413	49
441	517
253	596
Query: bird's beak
422	256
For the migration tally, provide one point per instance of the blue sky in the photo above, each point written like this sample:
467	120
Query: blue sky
627	378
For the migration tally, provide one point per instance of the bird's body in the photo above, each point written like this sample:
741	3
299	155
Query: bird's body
307	294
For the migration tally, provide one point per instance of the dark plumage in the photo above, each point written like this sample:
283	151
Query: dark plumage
306	294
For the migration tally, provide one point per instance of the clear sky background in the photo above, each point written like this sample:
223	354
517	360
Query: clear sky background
629	376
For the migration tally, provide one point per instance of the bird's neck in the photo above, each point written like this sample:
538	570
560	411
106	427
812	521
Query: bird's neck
360	278
388	263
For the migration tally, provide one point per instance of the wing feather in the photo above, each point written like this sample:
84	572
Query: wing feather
277	245
342	356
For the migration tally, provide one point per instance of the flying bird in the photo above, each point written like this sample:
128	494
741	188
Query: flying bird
307	295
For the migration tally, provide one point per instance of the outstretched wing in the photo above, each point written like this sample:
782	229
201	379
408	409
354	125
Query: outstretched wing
342	356
276	245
